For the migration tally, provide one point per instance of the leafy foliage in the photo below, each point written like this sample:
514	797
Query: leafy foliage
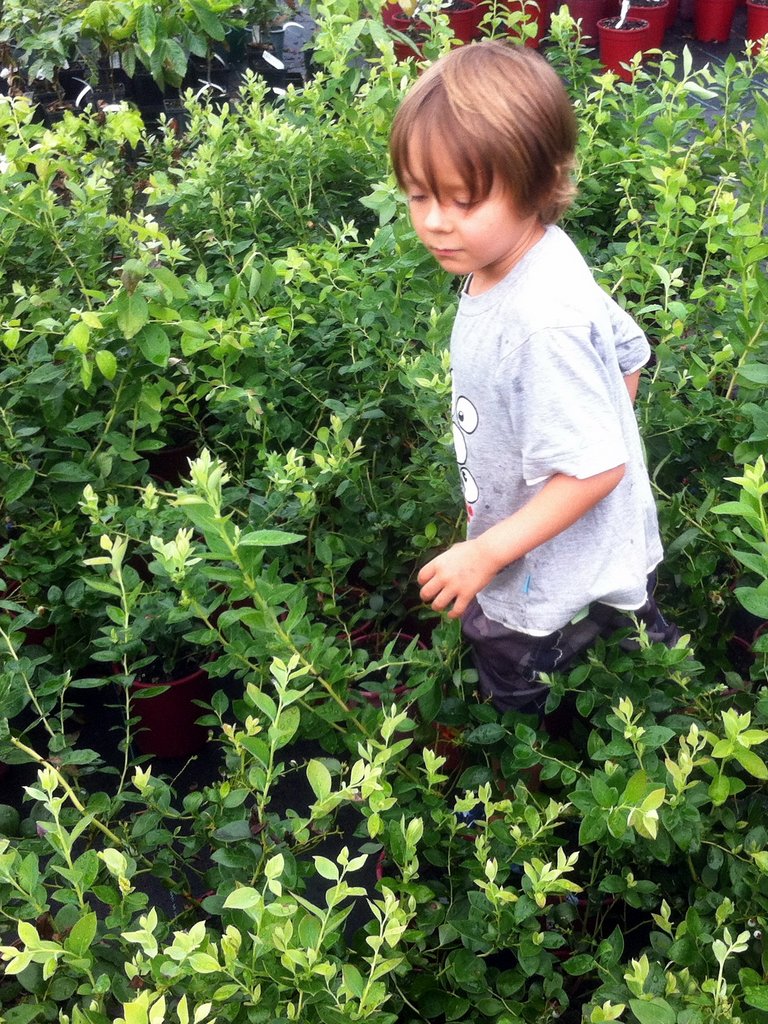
378	845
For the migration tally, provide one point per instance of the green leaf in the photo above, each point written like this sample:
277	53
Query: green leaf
170	282
18	483
750	762
326	868
203	963
107	363
754	373
154	344
77	337
174	58
132	313
244	898
234	832
82	935
209	23
225	992
582	963
719	790
754	602
467	967
484	735
146	27
605	795
653	1011
269	538
757	996
592	827
474	776
319	779
70	472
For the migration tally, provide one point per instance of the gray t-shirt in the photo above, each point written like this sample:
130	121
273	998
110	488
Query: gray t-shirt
538	363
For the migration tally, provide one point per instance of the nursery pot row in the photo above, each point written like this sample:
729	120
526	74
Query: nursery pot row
464	17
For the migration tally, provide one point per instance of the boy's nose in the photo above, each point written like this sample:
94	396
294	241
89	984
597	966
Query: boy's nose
435	218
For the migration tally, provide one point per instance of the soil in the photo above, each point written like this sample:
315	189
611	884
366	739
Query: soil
630	25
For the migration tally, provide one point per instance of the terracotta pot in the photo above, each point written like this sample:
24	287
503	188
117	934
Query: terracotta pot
655	13
619	45
712	20
168	721
588	12
757	23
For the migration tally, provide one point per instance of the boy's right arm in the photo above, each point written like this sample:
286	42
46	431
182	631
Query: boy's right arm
457	575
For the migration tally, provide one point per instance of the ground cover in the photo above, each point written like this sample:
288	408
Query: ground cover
249	294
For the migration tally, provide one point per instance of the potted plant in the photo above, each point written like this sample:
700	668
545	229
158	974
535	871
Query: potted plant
656	13
757	23
535	16
162	674
464	17
588	13
713	19
621	40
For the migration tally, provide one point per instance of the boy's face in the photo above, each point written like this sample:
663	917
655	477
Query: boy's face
485	238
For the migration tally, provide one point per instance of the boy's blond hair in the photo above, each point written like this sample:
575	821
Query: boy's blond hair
501	114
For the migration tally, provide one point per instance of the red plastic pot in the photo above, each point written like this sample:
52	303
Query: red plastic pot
619	45
374	643
712	20
448	744
655	13
168	721
757	24
588	12
537	11
389	12
466	22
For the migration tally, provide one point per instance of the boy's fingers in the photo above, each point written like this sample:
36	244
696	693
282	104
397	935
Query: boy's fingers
426	573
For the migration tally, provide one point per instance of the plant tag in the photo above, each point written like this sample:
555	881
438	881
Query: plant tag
271	59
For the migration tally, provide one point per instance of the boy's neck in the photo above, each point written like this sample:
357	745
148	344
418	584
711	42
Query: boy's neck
488	277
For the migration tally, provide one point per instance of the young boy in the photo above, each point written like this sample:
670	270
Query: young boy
545	366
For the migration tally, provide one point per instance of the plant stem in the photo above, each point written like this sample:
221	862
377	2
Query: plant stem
67	789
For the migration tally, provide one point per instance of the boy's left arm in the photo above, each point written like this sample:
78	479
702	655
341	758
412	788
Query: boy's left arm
458	574
632	381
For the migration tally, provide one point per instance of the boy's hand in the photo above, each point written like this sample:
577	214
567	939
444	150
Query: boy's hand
455	577
459	573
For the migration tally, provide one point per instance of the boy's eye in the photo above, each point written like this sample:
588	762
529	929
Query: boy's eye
416	198
464	204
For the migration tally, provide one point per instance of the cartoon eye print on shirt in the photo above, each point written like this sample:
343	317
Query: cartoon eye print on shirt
465	420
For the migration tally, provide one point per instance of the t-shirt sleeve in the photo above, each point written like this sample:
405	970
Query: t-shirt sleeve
562	406
632	348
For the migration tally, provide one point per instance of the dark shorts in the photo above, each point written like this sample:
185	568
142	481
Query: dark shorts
509	664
